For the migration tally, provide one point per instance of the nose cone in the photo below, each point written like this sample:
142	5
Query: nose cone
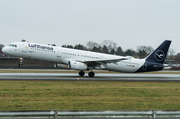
4	50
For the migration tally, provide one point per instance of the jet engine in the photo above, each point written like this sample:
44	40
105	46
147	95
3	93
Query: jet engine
77	65
62	66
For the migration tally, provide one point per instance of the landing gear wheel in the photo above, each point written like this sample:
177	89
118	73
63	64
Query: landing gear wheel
81	73
20	65
91	74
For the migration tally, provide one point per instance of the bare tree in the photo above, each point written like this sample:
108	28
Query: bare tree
177	58
143	51
110	45
91	45
149	49
171	51
170	55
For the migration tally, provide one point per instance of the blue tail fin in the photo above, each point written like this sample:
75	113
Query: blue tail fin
159	55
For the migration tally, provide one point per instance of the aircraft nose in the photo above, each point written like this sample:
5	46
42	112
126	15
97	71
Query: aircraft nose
4	50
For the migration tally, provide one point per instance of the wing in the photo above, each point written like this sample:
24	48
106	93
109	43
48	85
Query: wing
104	61
96	62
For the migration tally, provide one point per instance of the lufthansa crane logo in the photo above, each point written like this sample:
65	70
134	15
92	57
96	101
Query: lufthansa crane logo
159	55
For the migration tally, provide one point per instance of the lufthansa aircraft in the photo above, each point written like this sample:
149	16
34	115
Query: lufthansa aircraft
86	60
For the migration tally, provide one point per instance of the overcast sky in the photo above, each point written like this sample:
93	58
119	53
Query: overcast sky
129	23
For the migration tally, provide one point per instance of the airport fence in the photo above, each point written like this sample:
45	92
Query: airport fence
60	114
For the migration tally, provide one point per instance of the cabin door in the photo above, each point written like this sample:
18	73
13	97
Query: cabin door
59	53
25	53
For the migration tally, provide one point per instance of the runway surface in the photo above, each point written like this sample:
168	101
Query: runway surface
98	77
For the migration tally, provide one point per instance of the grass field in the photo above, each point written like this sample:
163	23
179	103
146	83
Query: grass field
89	95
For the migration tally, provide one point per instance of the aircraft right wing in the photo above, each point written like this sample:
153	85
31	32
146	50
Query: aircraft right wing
102	61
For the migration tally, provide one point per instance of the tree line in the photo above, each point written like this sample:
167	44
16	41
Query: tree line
110	47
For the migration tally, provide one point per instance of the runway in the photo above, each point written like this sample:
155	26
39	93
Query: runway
98	77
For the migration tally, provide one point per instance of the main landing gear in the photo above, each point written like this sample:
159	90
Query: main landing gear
81	73
91	73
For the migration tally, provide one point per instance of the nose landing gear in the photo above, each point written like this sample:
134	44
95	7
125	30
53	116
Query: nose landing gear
20	63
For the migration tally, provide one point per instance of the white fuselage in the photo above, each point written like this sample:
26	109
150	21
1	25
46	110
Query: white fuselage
64	55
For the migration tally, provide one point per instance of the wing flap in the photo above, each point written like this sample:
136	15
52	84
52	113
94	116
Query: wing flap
104	61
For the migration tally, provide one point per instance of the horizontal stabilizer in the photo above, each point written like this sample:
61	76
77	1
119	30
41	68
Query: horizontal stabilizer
163	65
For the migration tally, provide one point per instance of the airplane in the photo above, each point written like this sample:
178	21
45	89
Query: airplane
86	60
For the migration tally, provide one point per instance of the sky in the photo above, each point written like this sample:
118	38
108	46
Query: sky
129	23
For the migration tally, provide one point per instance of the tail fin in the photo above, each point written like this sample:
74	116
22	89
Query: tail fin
159	55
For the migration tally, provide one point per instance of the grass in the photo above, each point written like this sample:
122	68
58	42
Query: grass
89	95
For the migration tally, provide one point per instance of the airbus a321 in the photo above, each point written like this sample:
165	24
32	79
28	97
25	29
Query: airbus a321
85	60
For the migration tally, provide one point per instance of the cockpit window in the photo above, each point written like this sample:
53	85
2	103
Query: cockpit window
12	45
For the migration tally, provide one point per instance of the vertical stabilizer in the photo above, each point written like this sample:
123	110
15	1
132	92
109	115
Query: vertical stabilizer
159	55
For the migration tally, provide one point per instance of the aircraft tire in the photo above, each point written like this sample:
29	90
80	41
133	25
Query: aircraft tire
20	65
81	73
91	74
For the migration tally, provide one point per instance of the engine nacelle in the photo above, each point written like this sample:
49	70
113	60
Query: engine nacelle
62	66
77	65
